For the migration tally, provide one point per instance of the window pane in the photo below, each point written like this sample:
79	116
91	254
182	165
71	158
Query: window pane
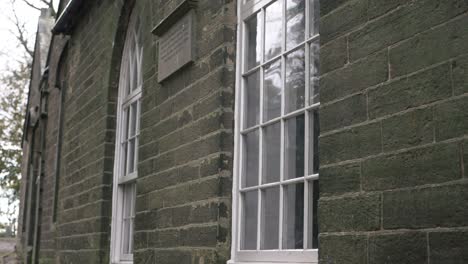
127	217
314	17
314	73
126	236
134	72
252	99
131	155
273	30
293	220
253	26
133	117
272	95
270	218
295	80
249	221
126	122
128	79
295	22
251	146
312	235
314	130
272	153
124	158
294	148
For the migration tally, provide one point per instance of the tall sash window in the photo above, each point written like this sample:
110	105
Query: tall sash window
276	153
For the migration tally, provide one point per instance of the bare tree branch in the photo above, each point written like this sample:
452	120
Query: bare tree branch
49	4
21	34
31	5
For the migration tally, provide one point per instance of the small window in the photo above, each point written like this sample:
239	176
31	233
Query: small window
276	151
126	146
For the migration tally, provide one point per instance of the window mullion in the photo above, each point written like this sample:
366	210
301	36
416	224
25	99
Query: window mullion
281	207
260	219
306	125
240	200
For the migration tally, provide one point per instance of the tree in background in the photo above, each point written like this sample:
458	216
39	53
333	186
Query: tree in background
14	83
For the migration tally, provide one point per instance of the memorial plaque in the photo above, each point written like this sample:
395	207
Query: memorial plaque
176	47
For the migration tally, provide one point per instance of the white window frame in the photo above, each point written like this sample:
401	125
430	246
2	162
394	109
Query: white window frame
245	10
127	95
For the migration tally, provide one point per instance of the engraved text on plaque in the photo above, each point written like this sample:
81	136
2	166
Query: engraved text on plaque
176	47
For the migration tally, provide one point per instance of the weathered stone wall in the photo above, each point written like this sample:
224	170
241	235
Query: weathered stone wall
184	184
85	190
47	235
394	128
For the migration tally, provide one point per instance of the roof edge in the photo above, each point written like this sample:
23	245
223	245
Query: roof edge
68	18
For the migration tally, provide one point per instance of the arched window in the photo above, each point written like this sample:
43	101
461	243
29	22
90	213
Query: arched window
126	145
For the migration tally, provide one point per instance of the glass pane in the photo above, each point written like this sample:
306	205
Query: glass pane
126	117
134	69
138	116
273	30
314	73
124	158
252	99
133	117
272	95
128	198
131	155
293	221
272	153
126	236
136	154
314	17
294	148
312	235
251	145
253	26
295	22
314	130
128	79
295	80
249	221
270	218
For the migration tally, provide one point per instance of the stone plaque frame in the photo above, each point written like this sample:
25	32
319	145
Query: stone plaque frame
176	40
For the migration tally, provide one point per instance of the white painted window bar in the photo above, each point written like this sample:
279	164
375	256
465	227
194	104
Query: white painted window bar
127	140
276	151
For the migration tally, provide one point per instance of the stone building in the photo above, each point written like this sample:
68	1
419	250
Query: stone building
188	132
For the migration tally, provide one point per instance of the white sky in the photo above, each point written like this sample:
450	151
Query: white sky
10	50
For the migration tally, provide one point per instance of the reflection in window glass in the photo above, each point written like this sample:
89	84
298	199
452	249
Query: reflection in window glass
249	232
252	100
272	153
253	41
295	22
251	159
272	91
293	223
270	216
273	30
314	130
312	232
295	80
314	22
314	73
294	148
